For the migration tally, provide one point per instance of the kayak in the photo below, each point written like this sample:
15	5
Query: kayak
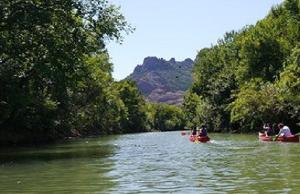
194	138
183	133
264	137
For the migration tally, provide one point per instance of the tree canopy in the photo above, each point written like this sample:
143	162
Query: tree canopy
250	76
55	73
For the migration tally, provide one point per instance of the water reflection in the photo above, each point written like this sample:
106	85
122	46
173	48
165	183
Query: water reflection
73	167
87	148
154	163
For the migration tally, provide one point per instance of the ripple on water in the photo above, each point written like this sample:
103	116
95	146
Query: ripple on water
157	163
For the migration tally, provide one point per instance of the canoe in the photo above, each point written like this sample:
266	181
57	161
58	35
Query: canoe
183	133
293	138
194	138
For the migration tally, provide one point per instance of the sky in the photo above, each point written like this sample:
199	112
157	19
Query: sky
178	28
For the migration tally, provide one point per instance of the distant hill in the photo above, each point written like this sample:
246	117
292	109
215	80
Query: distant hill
163	81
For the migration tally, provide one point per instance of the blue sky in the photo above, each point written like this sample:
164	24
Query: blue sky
179	28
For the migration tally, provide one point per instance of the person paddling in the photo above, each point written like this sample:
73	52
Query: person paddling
203	131
283	131
194	131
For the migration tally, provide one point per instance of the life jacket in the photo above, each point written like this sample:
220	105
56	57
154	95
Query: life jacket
203	132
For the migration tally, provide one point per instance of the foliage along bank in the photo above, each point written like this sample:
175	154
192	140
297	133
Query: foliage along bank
55	73
251	76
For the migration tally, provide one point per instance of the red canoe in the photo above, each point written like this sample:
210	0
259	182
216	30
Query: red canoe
293	138
194	138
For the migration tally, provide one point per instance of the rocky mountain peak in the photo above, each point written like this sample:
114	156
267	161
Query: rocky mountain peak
163	81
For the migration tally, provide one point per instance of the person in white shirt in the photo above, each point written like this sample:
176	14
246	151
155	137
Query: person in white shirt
284	130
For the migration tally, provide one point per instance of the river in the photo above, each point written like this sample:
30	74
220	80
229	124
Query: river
153	163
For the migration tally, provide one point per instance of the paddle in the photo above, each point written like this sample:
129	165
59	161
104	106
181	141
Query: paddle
275	138
196	139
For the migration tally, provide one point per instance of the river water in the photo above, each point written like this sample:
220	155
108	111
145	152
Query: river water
153	163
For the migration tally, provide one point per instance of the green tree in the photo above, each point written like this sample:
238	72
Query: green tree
250	76
289	86
45	53
168	118
135	120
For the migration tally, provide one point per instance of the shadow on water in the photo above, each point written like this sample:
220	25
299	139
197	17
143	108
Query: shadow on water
77	166
85	148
